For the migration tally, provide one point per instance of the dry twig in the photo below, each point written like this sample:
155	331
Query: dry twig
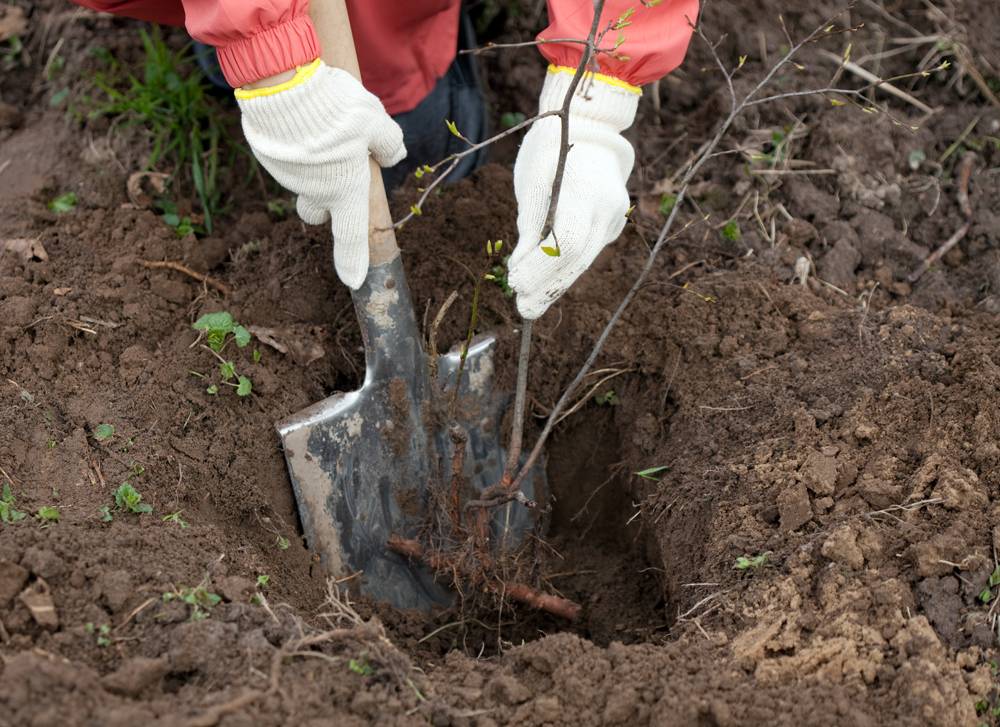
181	268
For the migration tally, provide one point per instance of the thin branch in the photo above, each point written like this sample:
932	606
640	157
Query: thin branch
695	167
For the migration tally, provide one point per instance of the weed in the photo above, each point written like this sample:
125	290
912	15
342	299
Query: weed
608	398
63	203
667	204
103	633
746	562
105	513
103	432
986	595
283	543
199	598
175	517
127	498
732	231
650	474
263	580
360	666
48	515
9	513
172	102
220	329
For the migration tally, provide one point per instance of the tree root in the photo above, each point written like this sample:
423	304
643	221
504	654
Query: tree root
520	592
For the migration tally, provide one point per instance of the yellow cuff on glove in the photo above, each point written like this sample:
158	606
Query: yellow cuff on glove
302	74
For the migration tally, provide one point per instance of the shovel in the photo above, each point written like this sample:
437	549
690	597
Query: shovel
362	463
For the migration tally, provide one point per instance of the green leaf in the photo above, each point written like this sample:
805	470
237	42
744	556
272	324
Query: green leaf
172	218
648	473
916	158
995	577
228	370
263	580
510	119
63	203
550	251
245	387
213	389
667	204
745	562
282	542
986	595
48	513
58	97
453	128
103	432
732	231
256	355
242	336
142	508
106	515
219	321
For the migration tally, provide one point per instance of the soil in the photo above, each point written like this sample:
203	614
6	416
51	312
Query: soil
845	429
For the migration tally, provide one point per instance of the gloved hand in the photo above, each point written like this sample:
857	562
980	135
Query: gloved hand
593	201
313	134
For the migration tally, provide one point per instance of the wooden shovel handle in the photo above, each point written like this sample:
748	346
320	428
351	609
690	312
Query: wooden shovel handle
333	27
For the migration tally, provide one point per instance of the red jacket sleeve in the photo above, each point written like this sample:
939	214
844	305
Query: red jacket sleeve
655	42
254	38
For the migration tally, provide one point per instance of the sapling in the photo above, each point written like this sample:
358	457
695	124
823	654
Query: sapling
199	598
48	515
103	432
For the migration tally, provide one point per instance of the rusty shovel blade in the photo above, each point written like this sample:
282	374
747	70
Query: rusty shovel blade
362	463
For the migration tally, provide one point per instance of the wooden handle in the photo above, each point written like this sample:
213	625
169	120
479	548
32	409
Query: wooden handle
333	26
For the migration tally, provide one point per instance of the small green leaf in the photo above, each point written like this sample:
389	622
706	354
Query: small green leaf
263	580
219	321
415	209
667	204
256	355
282	542
63	203
550	251
648	473
732	231
510	119
58	97
241	335
453	128
213	389
745	562
48	514
106	515
103	432
245	387
995	577
986	595
228	370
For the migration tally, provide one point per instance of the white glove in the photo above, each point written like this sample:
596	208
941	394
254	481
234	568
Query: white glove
593	201
314	134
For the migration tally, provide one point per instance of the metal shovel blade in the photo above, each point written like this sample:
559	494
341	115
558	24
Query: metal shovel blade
362	462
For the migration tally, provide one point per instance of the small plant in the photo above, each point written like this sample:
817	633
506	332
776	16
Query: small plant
650	474
175	517
48	515
219	329
986	595
608	398
9	513
667	204
498	273
360	666
199	598
747	562
63	203
282	542
731	231
263	580
103	432
127	498
103	633
105	513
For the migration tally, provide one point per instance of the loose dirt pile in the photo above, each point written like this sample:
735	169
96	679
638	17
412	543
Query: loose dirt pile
841	436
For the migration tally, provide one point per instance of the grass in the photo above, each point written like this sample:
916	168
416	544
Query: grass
170	98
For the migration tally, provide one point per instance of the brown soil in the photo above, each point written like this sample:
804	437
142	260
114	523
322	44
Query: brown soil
850	433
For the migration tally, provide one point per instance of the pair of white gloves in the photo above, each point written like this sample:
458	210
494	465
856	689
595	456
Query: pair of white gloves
314	135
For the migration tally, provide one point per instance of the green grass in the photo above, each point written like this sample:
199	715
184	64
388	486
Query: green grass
170	98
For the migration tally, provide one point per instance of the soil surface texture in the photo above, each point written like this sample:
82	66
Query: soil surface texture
814	536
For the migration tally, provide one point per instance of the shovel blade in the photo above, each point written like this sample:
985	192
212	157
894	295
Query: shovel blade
362	463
